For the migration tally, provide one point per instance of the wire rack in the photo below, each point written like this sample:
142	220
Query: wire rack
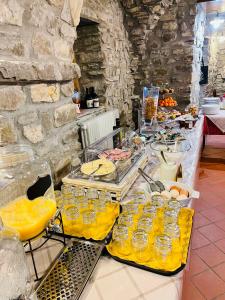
69	274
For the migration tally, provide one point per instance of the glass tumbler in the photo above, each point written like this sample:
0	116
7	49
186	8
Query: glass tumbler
92	195
170	216
172	230
157	201
145	224
131	208
81	199
140	244
89	217
126	219
174	204
163	245
150	211
120	238
71	213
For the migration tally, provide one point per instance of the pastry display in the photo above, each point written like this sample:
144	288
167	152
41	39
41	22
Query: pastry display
115	154
99	167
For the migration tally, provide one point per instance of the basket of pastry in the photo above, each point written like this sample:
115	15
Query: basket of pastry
153	236
87	213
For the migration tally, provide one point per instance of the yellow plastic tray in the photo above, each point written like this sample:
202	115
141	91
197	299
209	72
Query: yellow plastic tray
97	231
149	259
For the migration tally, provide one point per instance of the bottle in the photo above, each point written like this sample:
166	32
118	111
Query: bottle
88	99
95	98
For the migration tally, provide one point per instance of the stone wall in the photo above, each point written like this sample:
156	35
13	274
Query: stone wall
116	82
199	31
36	73
162	35
217	64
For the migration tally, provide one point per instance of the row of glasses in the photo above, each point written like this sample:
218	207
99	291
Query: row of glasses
140	236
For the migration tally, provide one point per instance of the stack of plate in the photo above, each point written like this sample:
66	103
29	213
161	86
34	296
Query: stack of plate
211	105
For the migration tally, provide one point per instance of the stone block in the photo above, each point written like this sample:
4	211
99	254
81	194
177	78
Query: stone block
170	26
11	98
11	46
63	50
45	93
57	3
68	31
11	13
47	121
36	71
67	89
41	45
70	136
27	118
33	132
64	114
7	132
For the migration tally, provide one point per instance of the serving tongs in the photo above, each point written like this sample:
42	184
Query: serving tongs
155	186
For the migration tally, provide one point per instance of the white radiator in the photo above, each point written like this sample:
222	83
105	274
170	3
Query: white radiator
97	127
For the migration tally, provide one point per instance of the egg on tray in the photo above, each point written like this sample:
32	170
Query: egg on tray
173	192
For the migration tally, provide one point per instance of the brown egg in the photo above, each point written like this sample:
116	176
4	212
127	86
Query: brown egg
184	192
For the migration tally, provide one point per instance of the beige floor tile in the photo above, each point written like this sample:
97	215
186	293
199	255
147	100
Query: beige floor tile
90	293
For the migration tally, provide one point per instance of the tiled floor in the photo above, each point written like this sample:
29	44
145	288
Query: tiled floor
214	150
205	275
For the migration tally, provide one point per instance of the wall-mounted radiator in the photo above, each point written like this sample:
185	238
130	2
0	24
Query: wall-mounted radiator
97	127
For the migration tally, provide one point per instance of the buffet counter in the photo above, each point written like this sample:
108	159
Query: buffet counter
114	280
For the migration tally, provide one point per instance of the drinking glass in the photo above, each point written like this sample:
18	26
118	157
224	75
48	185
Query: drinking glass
99	205
150	210
126	219
92	195
170	216
131	208
145	224
120	238
175	205
172	230
71	213
163	245
89	217
140	243
158	201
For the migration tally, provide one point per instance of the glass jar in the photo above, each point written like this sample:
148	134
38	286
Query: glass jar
71	213
150	211
140	244
163	245
158	201
172	230
170	216
91	195
131	208
89	217
27	199
126	219
120	238
145	223
175	205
